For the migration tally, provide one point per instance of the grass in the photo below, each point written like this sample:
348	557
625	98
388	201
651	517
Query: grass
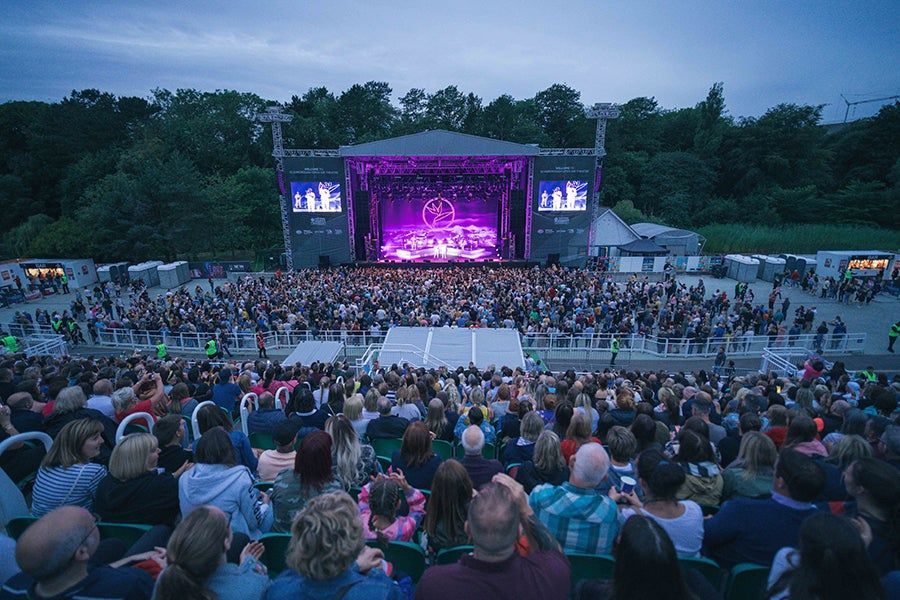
796	239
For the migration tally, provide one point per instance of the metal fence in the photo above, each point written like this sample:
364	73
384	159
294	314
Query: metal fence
550	346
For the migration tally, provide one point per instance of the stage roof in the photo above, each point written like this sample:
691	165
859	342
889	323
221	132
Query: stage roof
440	142
651	230
643	247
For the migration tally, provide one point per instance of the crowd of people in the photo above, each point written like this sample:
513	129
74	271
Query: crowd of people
799	474
536	301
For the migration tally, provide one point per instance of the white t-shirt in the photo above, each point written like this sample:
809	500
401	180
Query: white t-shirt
686	531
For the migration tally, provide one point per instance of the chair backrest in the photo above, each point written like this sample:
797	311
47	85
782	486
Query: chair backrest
282	391
40	436
138	416
591	566
709	568
489	451
442	448
748	582
262	441
385	447
12	502
245	412
276	545
449	556
195	426
128	533
406	557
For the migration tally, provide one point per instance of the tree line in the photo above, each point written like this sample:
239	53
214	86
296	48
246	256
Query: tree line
188	173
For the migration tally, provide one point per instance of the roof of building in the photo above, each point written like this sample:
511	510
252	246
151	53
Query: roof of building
651	230
610	230
439	142
643	247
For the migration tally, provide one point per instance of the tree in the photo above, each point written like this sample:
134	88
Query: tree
671	176
561	116
452	110
412	112
631	215
365	112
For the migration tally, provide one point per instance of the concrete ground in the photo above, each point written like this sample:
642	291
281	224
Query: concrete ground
874	320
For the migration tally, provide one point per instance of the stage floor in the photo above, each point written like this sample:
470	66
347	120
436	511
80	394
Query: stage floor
431	264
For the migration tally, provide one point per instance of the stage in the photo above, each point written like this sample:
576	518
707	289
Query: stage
435	264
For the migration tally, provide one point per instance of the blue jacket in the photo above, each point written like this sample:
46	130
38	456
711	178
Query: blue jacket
375	585
264	420
230	489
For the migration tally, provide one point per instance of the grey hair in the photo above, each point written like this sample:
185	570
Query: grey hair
68	400
122	398
591	464
384	406
60	557
473	440
548	453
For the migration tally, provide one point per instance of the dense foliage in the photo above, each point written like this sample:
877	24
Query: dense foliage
187	172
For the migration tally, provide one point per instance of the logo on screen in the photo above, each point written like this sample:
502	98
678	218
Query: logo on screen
438	213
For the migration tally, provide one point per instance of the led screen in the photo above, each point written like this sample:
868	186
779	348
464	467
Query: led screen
562	196
315	197
439	228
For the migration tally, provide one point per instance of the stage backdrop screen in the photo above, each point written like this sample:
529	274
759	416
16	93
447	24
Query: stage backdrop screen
562	196
561	216
318	217
316	196
439	228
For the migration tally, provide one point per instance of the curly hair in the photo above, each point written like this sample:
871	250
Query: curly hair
326	537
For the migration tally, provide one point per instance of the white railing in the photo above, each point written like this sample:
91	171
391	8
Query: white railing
549	345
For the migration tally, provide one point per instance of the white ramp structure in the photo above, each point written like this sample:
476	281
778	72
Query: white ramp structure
307	353
449	347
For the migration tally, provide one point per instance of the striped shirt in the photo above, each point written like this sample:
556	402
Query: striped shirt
66	486
580	519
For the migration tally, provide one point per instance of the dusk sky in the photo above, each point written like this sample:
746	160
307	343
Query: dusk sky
764	52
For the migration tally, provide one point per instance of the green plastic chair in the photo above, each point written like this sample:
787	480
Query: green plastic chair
264	486
442	448
591	566
408	558
489	451
709	568
386	447
17	526
747	582
263	441
449	556
126	532
276	545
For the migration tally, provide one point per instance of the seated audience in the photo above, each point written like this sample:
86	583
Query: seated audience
386	426
196	565
266	417
703	483
67	476
581	519
480	469
661	479
134	491
273	462
379	503
521	449
210	417
622	448
475	418
415	458
747	530
170	432
353	410
328	558
311	476
829	561
495	569
217	480
56	554
577	434
448	504
547	466
751	474
875	488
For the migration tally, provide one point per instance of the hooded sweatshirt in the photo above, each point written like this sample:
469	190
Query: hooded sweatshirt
150	499
229	489
703	483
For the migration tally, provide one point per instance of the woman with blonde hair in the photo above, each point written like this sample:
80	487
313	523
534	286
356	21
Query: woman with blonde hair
196	565
134	491
406	404
548	465
752	473
326	541
353	410
67	476
354	463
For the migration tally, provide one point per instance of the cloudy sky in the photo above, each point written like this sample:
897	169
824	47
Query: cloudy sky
766	52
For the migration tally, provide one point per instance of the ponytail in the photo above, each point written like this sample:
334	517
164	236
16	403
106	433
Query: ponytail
193	555
176	582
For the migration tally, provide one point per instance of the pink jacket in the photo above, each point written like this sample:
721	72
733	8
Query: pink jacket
403	528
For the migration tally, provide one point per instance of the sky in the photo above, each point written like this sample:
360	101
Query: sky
765	52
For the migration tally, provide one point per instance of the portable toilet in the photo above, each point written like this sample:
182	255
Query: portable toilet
742	268
168	276
770	267
103	274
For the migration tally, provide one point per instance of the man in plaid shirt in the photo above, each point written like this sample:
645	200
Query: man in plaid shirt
580	518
